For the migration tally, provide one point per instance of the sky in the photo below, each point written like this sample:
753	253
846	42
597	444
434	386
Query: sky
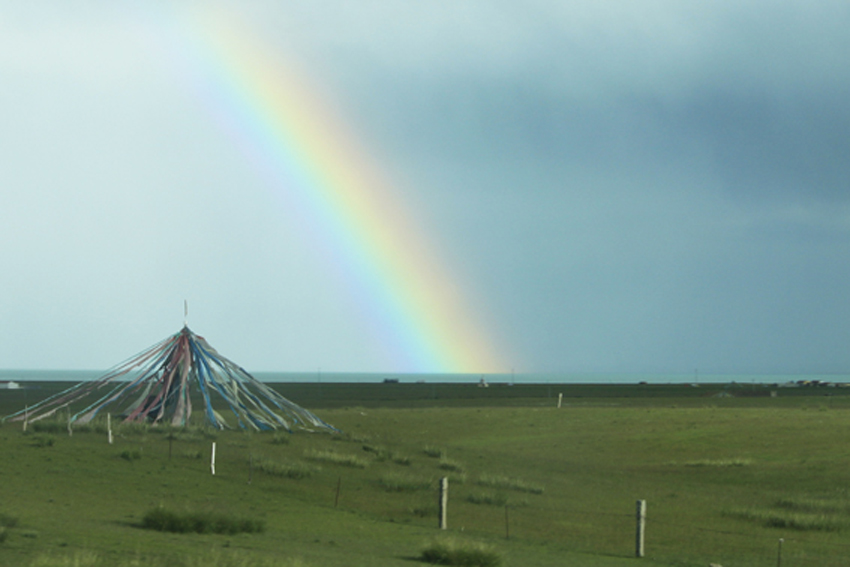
647	187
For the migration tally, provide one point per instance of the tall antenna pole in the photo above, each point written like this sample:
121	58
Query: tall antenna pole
185	312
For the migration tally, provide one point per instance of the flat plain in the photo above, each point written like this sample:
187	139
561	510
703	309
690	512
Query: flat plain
727	471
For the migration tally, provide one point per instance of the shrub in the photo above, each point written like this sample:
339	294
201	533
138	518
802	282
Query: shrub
425	512
78	559
487	498
434	452
447	464
383	454
451	552
814	505
457	477
504	482
131	454
786	519
403	483
719	463
281	438
287	469
164	520
337	458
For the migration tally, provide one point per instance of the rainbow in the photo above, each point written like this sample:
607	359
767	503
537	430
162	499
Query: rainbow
414	303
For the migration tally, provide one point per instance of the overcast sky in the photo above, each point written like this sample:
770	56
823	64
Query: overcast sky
621	186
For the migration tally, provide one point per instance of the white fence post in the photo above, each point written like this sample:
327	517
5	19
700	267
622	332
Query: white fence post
444	501
212	459
641	526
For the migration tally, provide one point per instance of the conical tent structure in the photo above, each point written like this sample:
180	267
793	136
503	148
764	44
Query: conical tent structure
154	387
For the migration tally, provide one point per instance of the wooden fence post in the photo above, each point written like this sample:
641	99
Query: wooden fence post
212	459
444	501
109	428
641	526
560	398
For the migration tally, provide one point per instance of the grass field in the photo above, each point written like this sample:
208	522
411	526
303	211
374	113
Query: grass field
724	479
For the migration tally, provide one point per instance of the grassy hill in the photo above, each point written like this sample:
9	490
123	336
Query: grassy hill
724	478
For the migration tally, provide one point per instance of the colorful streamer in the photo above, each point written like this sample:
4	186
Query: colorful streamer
155	386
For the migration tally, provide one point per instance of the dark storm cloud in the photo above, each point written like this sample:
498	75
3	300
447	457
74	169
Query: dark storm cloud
756	94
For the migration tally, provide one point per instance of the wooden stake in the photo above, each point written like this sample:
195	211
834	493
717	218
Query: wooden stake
109	427
560	398
641	526
779	553
444	502
212	459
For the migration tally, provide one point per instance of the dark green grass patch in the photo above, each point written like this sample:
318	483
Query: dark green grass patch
7	521
164	520
466	554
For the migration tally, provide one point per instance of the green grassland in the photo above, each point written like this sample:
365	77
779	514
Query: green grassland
724	479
